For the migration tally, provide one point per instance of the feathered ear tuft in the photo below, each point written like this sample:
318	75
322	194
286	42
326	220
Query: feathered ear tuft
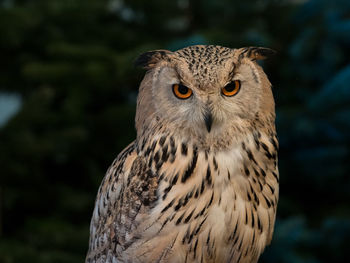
149	59
258	53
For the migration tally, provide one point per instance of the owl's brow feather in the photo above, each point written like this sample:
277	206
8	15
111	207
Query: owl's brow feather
180	75
232	72
237	65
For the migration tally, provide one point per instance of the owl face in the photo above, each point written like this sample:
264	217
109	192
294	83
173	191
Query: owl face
205	90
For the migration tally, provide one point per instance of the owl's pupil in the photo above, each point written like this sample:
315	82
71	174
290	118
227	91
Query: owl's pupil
183	89
230	87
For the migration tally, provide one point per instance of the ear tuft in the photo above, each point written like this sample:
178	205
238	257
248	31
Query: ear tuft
149	59
258	53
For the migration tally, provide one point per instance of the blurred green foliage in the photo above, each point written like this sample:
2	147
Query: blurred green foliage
71	63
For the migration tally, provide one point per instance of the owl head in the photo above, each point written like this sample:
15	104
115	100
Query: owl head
204	91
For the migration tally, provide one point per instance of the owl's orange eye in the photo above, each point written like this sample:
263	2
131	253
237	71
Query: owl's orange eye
232	88
181	91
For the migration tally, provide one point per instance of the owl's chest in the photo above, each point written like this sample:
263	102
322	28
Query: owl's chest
201	184
202	207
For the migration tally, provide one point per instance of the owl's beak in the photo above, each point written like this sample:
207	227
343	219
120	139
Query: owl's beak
208	119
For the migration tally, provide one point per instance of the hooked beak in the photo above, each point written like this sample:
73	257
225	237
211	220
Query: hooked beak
208	119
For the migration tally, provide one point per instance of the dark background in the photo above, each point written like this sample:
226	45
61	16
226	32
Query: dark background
67	102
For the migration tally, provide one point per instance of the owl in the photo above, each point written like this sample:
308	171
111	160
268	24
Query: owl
200	182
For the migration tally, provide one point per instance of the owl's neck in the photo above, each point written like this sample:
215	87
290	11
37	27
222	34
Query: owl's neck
222	138
162	148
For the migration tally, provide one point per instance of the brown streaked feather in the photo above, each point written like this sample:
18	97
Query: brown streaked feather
127	192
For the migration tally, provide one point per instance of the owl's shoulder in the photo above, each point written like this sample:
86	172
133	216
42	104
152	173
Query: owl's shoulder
127	192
